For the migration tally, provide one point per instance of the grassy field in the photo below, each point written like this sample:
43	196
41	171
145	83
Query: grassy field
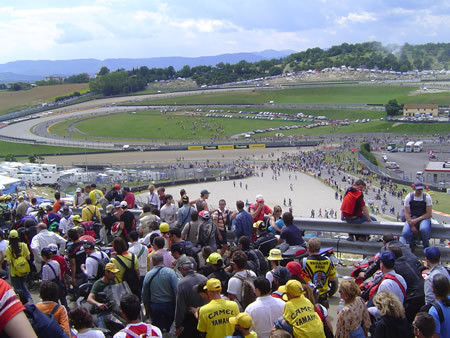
326	94
24	98
30	149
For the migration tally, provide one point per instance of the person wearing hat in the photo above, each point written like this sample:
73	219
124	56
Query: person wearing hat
185	321
78	199
201	203
3	245
275	259
433	262
418	211
51	271
259	209
265	310
213	318
98	287
127	220
63	266
66	221
215	261
19	268
391	281
128	197
265	239
243	323
184	213
93	259
299	313
164	229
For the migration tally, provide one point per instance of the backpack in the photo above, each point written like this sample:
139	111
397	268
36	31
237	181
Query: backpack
101	264
206	231
191	250
248	294
326	329
94	215
150	332
438	308
130	276
21	265
44	325
53	226
263	263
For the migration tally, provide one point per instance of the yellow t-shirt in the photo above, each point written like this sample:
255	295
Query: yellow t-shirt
252	334
95	195
10	257
213	318
88	211
299	312
126	259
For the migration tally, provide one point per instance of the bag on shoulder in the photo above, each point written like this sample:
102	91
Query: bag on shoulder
438	308
21	265
150	332
263	263
94	216
101	263
248	294
130	276
205	232
44	325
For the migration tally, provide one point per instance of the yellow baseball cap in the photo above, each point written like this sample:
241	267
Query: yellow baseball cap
213	258
111	268
243	319
164	227
213	284
293	287
76	218
13	234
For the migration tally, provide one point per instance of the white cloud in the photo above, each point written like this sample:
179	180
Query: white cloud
361	17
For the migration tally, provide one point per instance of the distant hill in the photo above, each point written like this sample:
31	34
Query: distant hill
36	70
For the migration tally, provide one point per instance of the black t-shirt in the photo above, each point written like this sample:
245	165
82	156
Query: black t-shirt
108	221
128	218
76	251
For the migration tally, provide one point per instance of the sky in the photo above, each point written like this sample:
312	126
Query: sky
102	29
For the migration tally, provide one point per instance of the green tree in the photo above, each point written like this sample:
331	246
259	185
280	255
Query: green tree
103	71
392	107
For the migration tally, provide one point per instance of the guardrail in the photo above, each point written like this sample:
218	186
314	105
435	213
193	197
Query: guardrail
335	226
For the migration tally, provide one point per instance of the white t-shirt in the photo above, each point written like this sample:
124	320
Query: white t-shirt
265	311
92	264
66	224
428	199
146	240
392	286
269	277
3	245
153	199
156	330
136	248
91	334
168	214
235	284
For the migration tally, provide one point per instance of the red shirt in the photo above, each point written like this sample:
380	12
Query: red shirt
264	211
63	267
129	198
10	305
353	204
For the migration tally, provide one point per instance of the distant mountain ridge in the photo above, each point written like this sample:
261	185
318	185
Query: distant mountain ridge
31	70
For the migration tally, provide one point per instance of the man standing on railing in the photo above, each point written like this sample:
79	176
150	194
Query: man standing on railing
418	205
354	208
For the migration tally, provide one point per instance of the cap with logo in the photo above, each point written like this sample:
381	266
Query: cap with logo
214	258
260	225
243	320
387	257
123	204
53	247
418	185
76	218
78	190
185	198
259	198
204	214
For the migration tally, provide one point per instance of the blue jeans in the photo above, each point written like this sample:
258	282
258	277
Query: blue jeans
360	220
19	283
163	315
358	333
424	231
